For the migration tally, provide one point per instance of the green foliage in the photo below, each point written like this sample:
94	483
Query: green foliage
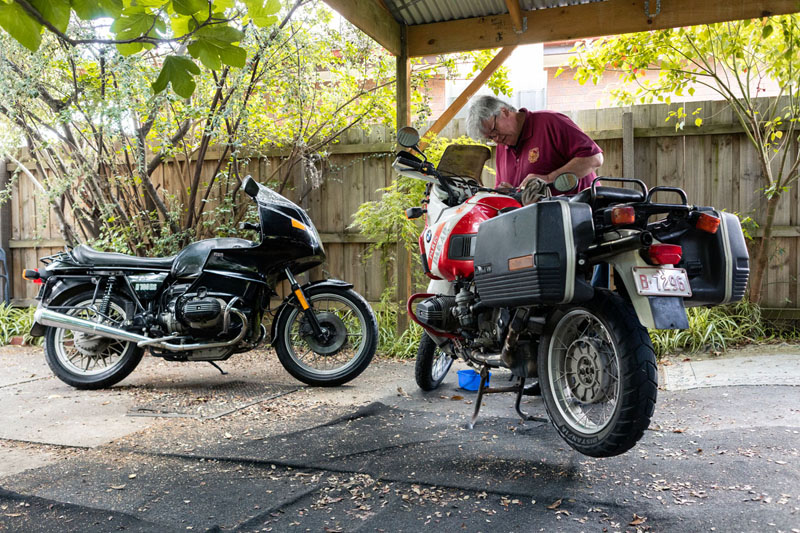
15	322
208	29
713	329
390	344
385	220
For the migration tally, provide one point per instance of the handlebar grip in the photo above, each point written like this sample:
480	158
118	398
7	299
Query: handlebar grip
410	162
249	226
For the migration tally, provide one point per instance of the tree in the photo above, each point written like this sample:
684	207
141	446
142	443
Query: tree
98	135
209	30
734	59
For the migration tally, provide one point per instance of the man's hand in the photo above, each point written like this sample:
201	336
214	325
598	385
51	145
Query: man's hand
531	177
505	186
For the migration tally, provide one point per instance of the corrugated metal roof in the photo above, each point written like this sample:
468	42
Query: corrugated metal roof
411	12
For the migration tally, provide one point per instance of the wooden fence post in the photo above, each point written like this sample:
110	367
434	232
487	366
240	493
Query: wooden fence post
402	257
5	231
628	158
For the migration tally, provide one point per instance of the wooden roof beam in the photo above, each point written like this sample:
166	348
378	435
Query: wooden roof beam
612	17
373	19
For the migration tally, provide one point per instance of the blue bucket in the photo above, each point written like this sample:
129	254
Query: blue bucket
470	380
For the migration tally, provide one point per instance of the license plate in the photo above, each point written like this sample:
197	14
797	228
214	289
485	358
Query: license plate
655	281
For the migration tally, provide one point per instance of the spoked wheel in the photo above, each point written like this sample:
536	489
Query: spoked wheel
432	364
343	352
87	361
597	370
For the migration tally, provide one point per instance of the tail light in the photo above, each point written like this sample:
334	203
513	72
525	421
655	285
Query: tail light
707	223
32	274
665	254
621	216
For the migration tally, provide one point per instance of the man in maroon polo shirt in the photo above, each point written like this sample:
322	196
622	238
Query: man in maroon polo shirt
533	144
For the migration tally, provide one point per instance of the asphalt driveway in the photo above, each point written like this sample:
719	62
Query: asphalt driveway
177	447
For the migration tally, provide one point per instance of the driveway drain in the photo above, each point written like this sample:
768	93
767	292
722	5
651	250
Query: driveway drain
203	402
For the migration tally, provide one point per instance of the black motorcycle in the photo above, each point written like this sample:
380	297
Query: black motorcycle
99	312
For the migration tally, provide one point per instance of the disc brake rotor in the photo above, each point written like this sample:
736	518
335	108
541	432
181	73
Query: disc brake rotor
586	368
332	326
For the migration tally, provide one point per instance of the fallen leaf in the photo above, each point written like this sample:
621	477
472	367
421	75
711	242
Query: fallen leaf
678	430
456	397
118	487
132	476
554	505
637	520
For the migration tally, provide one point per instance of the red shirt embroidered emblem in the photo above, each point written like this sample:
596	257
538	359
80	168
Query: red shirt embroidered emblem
533	155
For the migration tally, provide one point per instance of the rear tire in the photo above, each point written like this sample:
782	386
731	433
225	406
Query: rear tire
432	364
89	361
597	370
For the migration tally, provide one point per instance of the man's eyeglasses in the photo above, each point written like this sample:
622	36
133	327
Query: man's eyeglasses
492	133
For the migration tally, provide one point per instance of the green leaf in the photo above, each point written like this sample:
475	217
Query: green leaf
177	71
767	31
95	9
128	49
20	26
263	13
212	53
222	33
56	12
189	7
133	25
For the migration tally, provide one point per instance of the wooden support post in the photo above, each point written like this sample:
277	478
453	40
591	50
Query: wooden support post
5	231
403	258
467	93
516	15
628	158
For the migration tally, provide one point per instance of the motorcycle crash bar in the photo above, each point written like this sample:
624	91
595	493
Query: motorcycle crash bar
47	317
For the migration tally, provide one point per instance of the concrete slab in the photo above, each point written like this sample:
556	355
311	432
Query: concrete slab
766	369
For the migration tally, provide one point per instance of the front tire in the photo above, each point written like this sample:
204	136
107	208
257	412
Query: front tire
432	364
352	344
597	371
88	361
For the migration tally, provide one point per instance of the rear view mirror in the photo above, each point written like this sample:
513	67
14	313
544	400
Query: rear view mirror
250	187
408	137
565	182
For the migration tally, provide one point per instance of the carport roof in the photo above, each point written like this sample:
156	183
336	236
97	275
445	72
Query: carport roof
443	26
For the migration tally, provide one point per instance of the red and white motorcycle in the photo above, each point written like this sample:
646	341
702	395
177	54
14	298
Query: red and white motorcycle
510	287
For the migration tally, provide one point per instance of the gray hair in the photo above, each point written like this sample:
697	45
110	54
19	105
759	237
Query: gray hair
481	109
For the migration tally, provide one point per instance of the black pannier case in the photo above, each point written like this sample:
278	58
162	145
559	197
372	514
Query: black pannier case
717	264
529	256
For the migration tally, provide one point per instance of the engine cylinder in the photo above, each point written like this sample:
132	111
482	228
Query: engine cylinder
437	312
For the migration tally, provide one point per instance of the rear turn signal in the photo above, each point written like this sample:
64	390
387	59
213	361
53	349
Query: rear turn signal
707	223
665	254
32	274
621	216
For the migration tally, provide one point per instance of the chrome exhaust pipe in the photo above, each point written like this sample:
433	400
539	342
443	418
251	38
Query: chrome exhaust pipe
46	317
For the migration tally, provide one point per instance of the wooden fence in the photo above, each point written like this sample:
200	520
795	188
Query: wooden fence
714	164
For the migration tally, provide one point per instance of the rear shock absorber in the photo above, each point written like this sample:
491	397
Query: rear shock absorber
106	301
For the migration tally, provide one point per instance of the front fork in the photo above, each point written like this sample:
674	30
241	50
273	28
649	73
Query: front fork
308	311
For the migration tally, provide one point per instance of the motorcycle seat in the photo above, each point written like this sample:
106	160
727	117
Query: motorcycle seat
605	196
87	255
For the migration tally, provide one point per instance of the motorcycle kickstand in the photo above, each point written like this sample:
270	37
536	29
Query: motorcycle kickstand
522	414
479	399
